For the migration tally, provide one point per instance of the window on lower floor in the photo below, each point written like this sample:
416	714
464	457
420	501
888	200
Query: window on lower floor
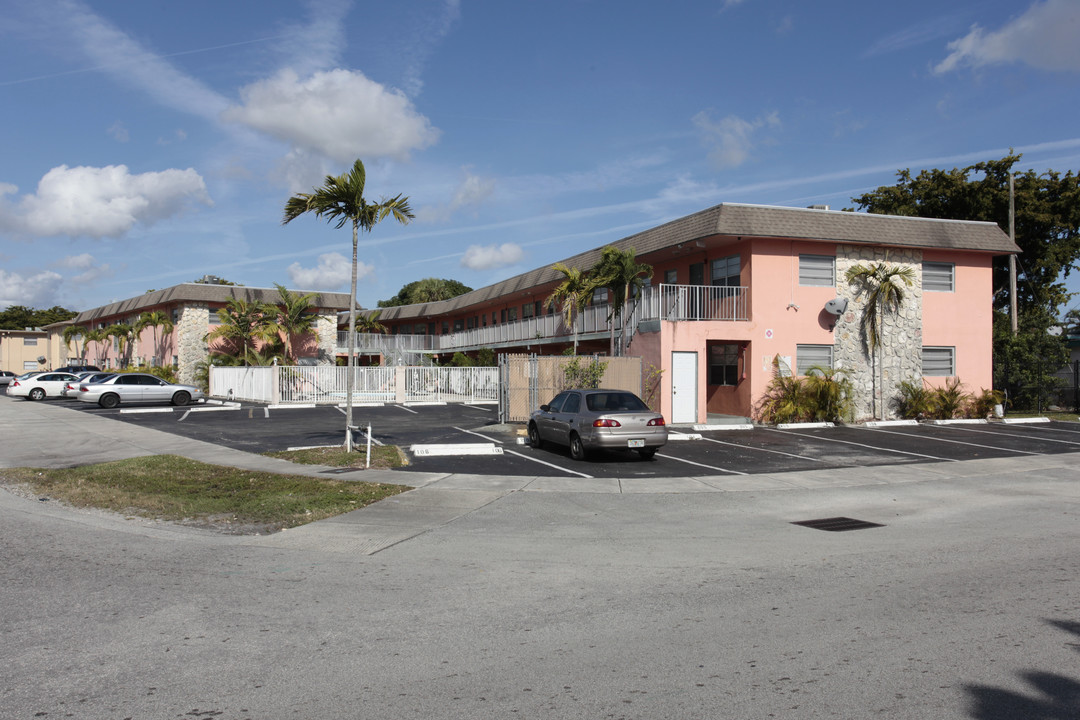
939	361
724	364
808	356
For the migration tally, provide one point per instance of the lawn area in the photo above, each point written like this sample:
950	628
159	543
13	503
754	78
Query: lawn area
176	489
383	457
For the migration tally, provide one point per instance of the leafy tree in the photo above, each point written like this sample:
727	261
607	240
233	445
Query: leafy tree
369	323
621	273
572	294
341	200
426	290
75	333
215	280
20	317
883	285
98	337
485	357
155	319
1047	219
123	333
292	316
1024	363
241	323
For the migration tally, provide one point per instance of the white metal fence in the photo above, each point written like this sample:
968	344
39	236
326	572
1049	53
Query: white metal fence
327	384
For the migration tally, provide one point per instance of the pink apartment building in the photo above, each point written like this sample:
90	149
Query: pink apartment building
737	287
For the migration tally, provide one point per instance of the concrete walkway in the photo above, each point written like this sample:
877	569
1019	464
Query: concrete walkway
49	435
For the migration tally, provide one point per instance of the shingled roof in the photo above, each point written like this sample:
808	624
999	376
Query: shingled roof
205	293
764	221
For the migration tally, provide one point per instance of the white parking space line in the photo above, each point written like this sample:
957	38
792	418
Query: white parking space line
526	457
476	407
414	412
1019	435
870	447
129	411
691	462
750	447
954	442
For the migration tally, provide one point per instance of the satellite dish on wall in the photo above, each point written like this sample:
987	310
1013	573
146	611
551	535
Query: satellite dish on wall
41	359
836	306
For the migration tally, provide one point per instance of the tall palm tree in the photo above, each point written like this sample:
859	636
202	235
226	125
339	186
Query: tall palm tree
341	200
572	294
96	336
242	323
75	333
621	273
123	333
155	319
292	316
883	285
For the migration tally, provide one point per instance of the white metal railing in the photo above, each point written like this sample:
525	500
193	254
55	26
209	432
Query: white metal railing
695	302
323	384
387	344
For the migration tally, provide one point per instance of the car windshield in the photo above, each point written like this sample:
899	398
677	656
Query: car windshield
614	402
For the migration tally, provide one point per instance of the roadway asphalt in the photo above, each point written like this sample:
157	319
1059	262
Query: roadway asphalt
81	438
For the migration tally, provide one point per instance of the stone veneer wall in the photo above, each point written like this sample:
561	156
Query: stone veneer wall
326	327
901	337
191	328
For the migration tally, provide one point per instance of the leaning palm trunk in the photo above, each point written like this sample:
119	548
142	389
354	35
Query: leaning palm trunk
350	362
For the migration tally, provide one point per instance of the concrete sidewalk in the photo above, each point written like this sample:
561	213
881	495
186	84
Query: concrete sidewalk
49	435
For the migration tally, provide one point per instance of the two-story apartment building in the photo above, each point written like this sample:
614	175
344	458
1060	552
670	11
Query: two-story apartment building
193	311
736	287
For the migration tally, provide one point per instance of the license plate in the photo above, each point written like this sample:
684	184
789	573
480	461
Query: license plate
635	443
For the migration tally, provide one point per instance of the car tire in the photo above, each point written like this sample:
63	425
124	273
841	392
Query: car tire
534	436
647	453
181	398
577	450
36	394
109	401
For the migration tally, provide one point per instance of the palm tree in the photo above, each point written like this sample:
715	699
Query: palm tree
243	323
75	333
369	323
341	200
572	294
621	273
94	335
156	319
123	334
883	285
293	317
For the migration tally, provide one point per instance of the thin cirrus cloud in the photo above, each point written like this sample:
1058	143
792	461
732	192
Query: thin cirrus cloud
490	257
731	139
100	202
1044	37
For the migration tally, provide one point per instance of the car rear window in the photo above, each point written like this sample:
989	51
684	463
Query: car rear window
614	402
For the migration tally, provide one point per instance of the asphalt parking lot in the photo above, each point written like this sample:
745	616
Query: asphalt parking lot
468	439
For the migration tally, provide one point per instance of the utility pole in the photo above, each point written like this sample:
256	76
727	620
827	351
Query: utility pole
1012	257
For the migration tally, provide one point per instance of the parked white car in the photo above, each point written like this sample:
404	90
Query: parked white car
137	388
39	385
71	390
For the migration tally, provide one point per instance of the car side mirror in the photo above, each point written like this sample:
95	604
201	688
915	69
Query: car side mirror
545	408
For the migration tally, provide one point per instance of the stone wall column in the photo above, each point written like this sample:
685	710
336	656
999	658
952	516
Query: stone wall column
191	327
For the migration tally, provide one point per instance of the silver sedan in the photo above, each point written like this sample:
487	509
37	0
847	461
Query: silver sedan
137	388
601	419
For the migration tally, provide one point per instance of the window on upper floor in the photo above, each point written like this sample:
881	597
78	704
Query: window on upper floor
809	356
215	317
725	271
817	270
671	277
27	341
938	276
939	361
527	310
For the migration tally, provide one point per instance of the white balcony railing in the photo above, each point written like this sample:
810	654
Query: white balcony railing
675	303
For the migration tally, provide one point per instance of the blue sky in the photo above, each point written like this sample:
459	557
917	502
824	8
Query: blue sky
148	144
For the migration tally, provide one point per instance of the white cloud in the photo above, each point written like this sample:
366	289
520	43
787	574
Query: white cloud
340	114
488	257
334	271
472	191
1044	37
101	202
732	138
119	133
37	290
420	48
89	270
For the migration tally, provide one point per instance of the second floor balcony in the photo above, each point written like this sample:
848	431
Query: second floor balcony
673	303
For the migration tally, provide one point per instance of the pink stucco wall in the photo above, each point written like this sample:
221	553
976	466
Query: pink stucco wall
963	318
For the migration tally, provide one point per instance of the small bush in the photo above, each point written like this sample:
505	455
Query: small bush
587	375
950	401
915	401
982	405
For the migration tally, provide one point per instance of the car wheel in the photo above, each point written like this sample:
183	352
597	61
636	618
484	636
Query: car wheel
109	401
647	453
37	394
181	398
577	450
534	436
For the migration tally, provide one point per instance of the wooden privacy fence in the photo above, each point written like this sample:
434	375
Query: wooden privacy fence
528	381
327	384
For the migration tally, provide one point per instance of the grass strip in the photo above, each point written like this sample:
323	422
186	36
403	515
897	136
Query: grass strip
383	457
177	489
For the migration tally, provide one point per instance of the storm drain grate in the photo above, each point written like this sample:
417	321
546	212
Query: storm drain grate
837	524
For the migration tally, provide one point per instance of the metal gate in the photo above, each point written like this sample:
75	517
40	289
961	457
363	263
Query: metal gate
528	381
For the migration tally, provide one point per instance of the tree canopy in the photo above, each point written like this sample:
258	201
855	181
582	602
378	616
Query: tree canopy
426	290
1047	219
20	317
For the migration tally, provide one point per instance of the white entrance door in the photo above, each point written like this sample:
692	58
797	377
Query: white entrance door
684	397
